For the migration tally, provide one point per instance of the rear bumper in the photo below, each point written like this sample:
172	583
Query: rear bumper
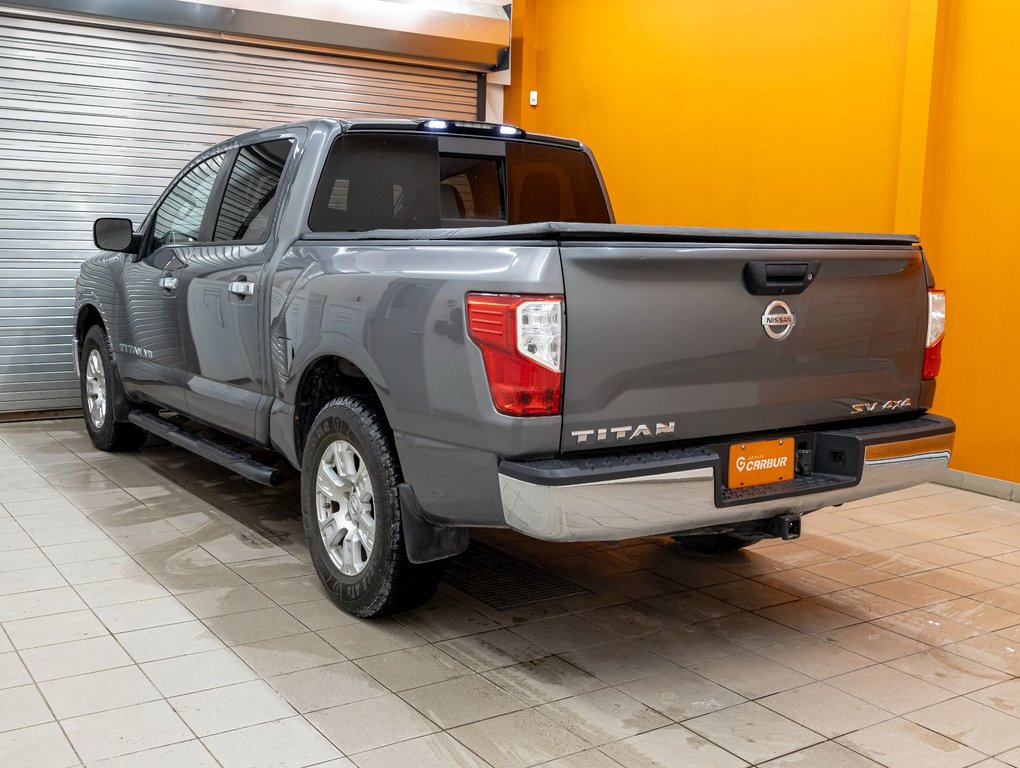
669	491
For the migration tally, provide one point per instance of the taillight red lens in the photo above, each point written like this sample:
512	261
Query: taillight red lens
521	338
936	332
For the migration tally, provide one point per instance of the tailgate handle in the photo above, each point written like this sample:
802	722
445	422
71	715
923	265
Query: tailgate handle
764	278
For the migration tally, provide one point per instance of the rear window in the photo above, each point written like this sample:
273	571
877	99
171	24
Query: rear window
404	181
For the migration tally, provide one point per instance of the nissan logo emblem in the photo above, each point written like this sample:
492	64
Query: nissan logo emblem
778	320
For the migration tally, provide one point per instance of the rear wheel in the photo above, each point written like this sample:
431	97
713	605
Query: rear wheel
712	543
351	513
97	387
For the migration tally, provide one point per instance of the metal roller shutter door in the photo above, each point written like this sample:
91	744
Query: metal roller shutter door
95	121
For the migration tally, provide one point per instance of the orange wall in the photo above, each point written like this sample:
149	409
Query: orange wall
726	113
971	229
811	114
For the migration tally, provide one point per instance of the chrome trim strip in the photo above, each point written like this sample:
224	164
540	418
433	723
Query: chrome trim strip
653	505
914	457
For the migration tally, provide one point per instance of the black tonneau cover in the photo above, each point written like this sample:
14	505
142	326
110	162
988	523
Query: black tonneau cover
555	230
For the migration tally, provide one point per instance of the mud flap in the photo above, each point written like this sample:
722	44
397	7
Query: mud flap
425	541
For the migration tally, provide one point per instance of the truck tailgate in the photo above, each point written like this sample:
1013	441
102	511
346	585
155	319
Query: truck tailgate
667	341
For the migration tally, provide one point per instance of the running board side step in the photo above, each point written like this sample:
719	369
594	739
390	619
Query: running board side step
236	461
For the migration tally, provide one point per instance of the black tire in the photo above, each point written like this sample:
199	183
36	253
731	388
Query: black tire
712	543
107	433
389	582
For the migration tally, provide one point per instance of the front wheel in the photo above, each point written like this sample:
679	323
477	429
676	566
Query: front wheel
97	386
351	513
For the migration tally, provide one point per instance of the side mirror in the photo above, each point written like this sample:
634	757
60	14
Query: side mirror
115	235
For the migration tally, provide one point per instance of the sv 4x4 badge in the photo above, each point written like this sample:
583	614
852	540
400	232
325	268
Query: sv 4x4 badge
888	405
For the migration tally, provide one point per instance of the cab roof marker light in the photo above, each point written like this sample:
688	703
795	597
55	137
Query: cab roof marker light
508	130
436	125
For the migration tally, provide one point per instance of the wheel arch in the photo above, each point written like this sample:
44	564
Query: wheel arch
324	378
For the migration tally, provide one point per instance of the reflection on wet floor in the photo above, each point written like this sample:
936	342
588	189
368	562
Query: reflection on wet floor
156	608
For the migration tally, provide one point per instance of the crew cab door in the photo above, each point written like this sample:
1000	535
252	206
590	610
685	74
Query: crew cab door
147	344
222	298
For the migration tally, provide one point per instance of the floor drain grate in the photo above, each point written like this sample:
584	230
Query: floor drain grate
504	582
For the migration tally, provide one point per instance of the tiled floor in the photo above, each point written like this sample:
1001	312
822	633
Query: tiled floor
157	612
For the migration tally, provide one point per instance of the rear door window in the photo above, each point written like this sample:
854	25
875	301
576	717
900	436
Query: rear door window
179	217
249	199
403	181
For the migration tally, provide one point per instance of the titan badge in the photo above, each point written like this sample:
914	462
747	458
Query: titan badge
624	433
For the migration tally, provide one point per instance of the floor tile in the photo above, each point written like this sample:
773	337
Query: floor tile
958	674
231	707
518	740
131	590
323	687
491	650
749	595
630	619
969	722
184	754
220	602
292	653
825	709
122	731
44	602
98	691
412	667
370	638
320	614
620	661
371	723
681	695
815	657
564	633
446	622
166	642
670	747
688	645
461	701
991	650
603	716
79	657
105	569
902	744
826	755
751	675
890	689
873	642
435	751
58	628
12	671
197	672
543	680
42	746
750	631
1004	696
290	743
145	614
22	707
753	732
253	626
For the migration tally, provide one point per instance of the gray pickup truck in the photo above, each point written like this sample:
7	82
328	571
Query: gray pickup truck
440	325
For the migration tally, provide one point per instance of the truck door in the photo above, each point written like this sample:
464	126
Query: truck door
146	344
222	298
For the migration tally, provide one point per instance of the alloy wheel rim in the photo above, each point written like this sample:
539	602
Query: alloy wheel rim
344	502
95	389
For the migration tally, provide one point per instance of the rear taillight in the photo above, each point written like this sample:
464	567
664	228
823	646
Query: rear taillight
936	332
521	338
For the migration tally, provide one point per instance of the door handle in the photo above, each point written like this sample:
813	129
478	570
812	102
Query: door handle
783	278
168	283
242	287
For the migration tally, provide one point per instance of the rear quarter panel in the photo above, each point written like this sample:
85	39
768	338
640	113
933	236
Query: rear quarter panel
397	312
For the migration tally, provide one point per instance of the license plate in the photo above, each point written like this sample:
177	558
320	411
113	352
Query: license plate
767	461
